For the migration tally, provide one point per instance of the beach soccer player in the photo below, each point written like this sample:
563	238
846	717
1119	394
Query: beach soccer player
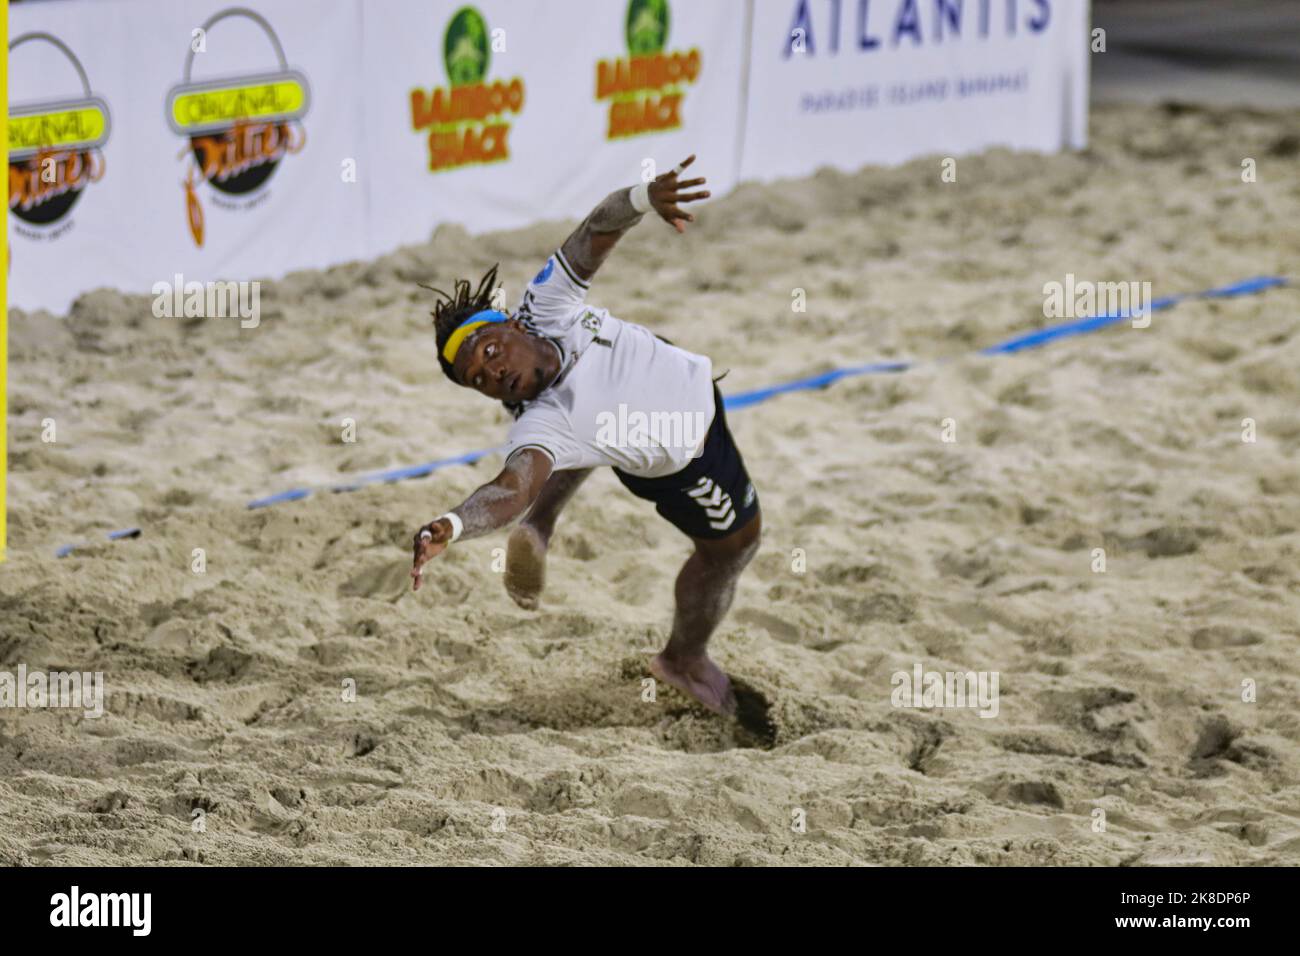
588	390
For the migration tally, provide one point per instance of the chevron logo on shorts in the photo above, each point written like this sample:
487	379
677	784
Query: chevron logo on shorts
716	504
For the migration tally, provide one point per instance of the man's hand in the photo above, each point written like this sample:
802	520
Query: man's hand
491	506
589	244
430	541
666	192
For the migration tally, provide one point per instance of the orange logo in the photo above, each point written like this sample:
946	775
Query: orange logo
646	87
466	120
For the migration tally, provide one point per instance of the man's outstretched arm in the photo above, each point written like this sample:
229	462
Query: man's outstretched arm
491	506
618	212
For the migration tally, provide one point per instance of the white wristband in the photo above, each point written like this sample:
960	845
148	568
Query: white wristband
457	526
639	196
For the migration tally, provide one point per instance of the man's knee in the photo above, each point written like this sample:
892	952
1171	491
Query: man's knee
750	537
736	550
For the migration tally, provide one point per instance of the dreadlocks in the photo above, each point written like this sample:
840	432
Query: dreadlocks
451	310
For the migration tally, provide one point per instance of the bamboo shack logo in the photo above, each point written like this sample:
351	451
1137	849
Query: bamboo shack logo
55	147
645	88
467	119
238	128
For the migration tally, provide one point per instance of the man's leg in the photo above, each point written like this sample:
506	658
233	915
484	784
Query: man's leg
705	586
526	549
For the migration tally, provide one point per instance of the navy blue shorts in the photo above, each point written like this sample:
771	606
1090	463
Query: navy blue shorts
712	497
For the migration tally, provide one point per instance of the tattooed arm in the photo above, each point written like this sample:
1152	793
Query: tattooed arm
491	506
591	242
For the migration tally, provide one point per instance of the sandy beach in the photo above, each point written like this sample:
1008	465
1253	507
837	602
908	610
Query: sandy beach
485	734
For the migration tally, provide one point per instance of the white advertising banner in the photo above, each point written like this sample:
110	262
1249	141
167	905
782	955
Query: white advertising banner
152	139
503	113
845	83
191	138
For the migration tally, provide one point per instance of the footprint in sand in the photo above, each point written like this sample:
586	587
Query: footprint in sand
778	628
1218	636
383	579
754	714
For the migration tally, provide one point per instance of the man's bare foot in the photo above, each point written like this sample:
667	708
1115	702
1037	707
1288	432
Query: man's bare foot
526	566
698	678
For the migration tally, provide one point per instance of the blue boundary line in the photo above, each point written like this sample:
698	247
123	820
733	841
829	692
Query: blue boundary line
1019	343
112	536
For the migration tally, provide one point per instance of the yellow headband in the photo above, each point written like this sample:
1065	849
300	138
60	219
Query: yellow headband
468	328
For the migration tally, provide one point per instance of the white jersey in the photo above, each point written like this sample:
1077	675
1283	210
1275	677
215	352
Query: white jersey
624	397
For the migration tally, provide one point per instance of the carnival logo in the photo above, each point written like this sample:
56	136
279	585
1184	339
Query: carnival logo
238	128
466	120
54	145
645	88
